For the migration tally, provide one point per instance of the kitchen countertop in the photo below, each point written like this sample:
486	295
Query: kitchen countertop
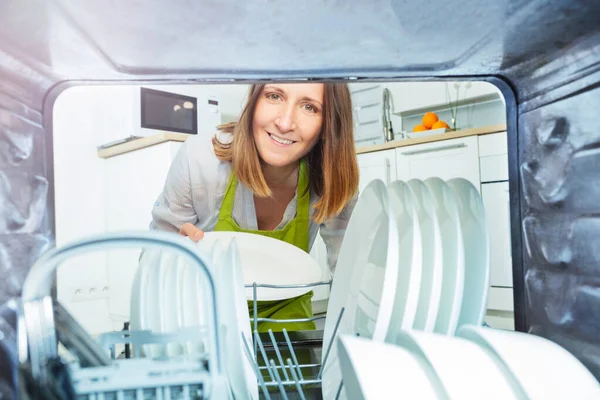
141	143
162	137
484	130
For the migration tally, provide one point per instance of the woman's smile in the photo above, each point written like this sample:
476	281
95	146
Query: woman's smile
280	141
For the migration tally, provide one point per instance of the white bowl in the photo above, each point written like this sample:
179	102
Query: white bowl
373	370
465	370
542	368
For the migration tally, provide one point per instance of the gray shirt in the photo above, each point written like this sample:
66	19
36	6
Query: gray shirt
195	188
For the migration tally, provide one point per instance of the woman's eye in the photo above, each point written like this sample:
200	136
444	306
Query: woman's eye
273	96
310	108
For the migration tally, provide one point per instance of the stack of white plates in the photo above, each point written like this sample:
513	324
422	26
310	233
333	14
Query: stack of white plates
481	364
415	256
169	295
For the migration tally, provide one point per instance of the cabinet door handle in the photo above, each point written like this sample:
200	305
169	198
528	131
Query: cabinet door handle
364	89
387	170
369	105
373	121
434	149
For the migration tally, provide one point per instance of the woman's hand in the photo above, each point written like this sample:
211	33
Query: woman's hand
191	231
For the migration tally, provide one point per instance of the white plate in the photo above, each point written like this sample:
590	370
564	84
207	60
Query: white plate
170	304
465	370
236	322
136	300
153	299
191	310
365	278
410	254
429	132
270	261
476	241
373	371
431	279
538	367
453	256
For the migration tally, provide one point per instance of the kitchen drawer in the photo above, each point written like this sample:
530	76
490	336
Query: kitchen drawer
493	144
368	115
493	168
366	96
446	159
500	298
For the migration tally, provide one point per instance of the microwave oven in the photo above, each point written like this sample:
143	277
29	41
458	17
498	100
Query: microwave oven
190	110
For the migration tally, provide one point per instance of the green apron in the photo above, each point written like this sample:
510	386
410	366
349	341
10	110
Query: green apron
296	233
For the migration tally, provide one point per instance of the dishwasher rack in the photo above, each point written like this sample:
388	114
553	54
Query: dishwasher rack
276	359
99	373
202	377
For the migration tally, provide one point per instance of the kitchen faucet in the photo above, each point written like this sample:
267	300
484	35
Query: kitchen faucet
388	131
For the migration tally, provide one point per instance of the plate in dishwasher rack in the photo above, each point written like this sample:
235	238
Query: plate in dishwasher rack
373	370
476	241
365	279
433	268
233	310
270	261
453	256
410	256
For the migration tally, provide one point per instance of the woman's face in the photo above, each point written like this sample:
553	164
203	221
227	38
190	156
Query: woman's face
287	121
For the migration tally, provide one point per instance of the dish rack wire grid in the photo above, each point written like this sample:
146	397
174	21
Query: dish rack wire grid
285	376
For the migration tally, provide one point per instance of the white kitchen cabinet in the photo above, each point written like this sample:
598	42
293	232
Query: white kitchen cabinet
471	90
409	96
496	201
447	159
367	108
377	165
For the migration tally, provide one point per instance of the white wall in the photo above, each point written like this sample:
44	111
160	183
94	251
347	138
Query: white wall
83	116
95	195
233	99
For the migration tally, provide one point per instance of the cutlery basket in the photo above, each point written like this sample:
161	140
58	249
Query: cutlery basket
95	375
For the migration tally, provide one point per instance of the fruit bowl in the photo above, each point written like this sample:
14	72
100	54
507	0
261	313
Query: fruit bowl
429	132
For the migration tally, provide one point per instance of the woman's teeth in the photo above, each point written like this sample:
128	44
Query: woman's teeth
280	140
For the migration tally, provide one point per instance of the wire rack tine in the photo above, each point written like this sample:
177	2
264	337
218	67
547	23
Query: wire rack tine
276	347
255	316
331	341
261	381
279	383
258	341
295	376
337	396
293	353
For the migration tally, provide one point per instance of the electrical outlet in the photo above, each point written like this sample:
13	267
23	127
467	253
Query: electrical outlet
89	293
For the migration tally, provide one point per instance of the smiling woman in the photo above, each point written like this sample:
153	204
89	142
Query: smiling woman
286	169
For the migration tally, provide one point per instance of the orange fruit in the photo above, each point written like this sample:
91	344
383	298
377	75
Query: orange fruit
419	128
429	119
440	124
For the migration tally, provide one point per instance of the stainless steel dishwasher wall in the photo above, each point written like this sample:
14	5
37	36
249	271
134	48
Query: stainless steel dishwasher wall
544	56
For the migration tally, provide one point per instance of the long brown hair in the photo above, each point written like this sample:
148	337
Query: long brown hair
332	164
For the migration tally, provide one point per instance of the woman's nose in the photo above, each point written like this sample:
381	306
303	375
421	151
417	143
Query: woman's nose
286	120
